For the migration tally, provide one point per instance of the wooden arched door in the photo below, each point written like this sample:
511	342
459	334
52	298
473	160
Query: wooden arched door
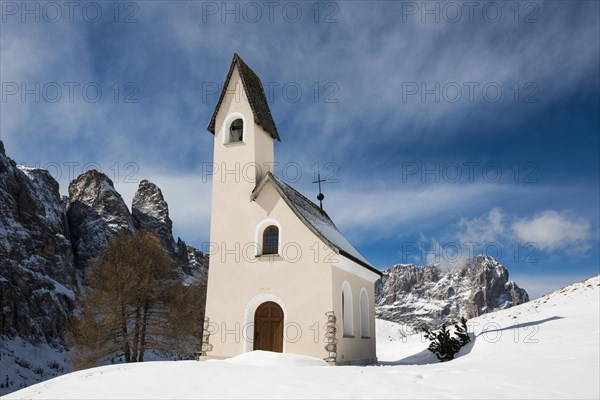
268	327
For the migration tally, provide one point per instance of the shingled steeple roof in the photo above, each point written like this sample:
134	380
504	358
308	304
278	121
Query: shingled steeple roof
256	97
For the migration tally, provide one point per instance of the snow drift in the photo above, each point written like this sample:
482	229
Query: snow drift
547	348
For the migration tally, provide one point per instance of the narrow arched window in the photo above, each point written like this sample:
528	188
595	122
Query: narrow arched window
236	131
364	314
347	311
271	240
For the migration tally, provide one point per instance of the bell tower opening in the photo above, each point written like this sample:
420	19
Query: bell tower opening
236	131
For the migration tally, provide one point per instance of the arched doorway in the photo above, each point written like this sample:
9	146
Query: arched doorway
268	327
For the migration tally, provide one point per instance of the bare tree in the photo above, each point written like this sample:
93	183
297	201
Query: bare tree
126	309
187	317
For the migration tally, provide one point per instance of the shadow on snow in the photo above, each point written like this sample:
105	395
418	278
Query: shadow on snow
426	357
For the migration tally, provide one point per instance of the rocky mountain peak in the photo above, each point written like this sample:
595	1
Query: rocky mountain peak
151	212
96	213
37	275
33	221
91	183
50	203
429	295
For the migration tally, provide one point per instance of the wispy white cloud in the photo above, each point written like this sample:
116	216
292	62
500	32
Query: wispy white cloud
549	230
370	77
552	231
369	212
486	228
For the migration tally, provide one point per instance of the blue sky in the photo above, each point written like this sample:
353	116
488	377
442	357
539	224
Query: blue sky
439	126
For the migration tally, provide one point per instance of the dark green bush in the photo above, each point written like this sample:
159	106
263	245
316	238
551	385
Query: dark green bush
443	344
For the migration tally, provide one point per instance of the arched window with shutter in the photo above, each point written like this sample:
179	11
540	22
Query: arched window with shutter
347	311
364	314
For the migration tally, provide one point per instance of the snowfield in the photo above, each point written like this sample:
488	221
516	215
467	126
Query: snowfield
547	348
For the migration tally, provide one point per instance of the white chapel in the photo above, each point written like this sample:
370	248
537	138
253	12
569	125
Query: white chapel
282	277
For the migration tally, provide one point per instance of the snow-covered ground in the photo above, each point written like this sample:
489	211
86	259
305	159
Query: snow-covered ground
547	348
21	362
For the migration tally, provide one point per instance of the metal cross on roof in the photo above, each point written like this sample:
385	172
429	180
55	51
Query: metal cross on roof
320	196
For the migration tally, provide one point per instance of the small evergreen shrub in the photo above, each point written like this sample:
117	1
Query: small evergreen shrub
461	331
443	344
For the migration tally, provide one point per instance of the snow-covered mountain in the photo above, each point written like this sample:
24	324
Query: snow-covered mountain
37	276
428	296
96	214
46	245
546	348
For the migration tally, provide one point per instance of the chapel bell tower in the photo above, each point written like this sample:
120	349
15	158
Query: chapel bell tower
244	131
244	135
